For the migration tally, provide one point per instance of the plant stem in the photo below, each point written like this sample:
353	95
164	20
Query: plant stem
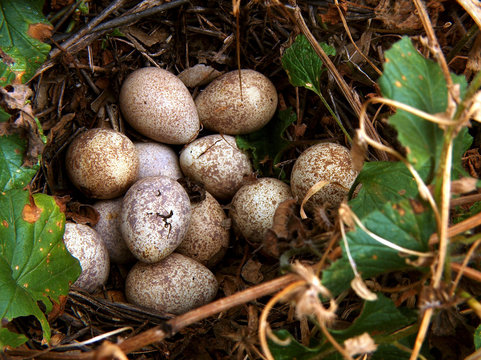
346	134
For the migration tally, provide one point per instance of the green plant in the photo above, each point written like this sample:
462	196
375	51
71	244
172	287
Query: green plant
388	227
35	266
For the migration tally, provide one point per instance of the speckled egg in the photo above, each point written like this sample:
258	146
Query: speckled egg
85	244
102	163
208	236
157	159
175	284
155	217
225	108
217	163
253	206
158	105
323	162
108	227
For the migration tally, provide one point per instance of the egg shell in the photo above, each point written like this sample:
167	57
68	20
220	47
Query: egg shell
323	162
85	244
158	105
175	284
108	227
216	162
253	206
223	108
207	239
155	217
157	159
102	163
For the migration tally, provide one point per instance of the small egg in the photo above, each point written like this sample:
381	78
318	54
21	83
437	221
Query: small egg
216	162
158	105
253	207
102	163
108	227
323	162
155	217
157	159
207	239
175	284
85	244
228	107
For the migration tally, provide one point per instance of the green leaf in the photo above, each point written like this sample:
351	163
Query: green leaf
267	144
13	175
413	80
382	182
390	352
379	318
34	263
303	65
291	348
397	222
477	337
22	25
8	338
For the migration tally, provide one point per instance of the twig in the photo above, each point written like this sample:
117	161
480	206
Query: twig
128	19
88	28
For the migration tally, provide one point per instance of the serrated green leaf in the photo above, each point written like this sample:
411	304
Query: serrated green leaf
34	263
413	80
303	65
267	144
13	175
379	318
22	54
382	182
397	222
8	338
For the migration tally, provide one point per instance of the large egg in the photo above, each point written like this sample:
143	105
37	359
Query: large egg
175	284
328	162
102	163
253	206
229	105
158	105
217	163
155	217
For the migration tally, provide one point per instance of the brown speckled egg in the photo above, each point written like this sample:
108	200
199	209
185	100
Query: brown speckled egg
175	284
323	162
216	162
158	105
208	236
253	207
157	159
155	217
108	227
85	244
223	108
102	163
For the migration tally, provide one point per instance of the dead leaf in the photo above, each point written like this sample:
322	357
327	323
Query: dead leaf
198	75
251	272
40	31
82	213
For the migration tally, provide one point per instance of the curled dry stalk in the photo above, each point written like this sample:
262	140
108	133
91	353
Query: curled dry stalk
306	294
